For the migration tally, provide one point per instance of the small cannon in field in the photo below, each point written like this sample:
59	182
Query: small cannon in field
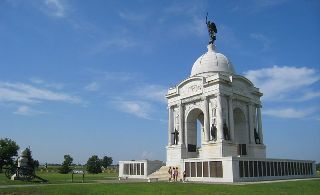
20	173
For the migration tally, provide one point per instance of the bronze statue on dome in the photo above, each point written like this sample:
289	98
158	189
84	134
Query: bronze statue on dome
212	29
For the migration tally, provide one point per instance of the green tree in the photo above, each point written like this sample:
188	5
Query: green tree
8	150
94	164
106	161
28	154
318	166
65	167
36	164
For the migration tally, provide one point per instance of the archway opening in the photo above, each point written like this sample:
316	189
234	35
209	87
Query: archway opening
241	133
194	130
199	133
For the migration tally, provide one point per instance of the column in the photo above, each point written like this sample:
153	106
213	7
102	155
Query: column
181	124
220	135
251	126
170	125
231	121
206	120
260	123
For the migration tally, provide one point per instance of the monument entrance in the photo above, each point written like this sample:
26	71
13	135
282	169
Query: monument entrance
194	132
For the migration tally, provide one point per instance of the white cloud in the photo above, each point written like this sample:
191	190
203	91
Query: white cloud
55	8
27	111
309	96
139	101
288	112
140	109
281	83
44	83
93	86
152	92
24	93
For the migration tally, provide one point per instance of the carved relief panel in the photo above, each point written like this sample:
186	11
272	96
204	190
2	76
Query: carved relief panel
191	105
191	88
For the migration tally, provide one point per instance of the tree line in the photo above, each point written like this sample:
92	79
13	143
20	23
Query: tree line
9	153
94	164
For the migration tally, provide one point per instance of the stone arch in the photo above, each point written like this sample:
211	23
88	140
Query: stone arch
194	115
240	126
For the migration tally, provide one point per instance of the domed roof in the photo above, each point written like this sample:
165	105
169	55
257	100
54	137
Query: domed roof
211	62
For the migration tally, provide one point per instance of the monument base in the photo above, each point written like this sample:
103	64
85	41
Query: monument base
245	169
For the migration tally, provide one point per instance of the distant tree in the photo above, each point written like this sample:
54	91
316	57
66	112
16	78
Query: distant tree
106	161
65	167
8	150
94	164
318	166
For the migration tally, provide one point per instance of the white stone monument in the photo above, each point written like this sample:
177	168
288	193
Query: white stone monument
215	129
226	105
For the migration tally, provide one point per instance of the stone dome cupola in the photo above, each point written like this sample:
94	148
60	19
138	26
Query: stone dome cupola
211	62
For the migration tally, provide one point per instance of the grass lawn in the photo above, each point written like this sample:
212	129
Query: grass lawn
54	177
291	187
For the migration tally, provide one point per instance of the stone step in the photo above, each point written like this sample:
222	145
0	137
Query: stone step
162	174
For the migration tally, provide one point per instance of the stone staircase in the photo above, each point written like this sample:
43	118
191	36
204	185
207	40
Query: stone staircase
163	175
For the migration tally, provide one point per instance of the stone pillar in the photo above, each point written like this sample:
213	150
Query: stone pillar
231	120
181	125
251	124
260	123
219	118
206	120
170	125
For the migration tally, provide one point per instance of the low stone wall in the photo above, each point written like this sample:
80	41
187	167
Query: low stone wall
243	169
139	169
273	169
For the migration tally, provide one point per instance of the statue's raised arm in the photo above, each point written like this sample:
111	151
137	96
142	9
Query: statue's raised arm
212	30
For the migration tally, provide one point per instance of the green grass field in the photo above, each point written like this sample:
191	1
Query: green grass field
99	184
291	187
55	178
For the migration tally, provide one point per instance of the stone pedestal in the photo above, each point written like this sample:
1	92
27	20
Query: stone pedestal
175	154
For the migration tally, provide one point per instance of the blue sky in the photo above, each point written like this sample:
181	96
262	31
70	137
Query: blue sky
89	77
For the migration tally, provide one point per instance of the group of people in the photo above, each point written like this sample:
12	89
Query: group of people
173	174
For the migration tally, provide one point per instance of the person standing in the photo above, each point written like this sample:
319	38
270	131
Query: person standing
170	173
176	173
173	173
